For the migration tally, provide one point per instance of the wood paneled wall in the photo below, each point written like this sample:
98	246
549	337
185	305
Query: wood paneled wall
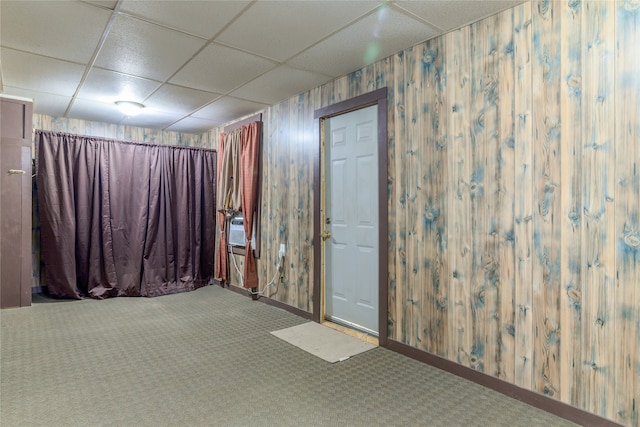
514	198
120	132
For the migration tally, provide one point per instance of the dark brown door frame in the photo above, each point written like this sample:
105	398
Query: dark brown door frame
377	97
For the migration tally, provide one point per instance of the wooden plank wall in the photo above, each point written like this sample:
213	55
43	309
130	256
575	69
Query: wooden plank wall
119	132
514	198
626	294
523	204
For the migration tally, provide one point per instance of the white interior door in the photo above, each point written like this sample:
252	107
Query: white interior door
351	216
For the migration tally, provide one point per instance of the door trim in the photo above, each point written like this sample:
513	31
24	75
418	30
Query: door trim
377	97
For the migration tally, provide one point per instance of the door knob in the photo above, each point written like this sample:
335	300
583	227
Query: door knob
325	235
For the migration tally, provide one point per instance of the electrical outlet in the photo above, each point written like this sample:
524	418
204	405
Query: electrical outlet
283	250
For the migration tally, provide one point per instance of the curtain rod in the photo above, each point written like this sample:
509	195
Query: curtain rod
236	125
123	141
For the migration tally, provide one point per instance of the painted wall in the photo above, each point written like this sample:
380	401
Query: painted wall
514	153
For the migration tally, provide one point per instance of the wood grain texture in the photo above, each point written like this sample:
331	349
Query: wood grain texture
514	192
412	156
399	292
598	250
287	199
458	55
396	97
546	51
523	204
385	78
481	323
571	204
506	195
114	131
512	180
433	205
627	222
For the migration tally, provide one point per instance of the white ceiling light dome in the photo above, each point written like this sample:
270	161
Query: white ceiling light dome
130	108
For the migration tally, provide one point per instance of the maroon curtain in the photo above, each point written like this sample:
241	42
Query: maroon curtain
124	219
249	155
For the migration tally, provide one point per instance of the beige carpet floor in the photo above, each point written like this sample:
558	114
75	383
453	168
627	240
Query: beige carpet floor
207	358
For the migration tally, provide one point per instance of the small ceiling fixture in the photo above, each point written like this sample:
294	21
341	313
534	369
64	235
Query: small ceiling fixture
129	108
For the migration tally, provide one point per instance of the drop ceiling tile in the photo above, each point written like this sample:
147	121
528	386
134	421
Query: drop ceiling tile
146	50
110	86
109	113
95	111
228	109
281	29
43	103
202	18
192	125
52	27
219	69
37	73
153	120
279	84
179	100
377	36
451	14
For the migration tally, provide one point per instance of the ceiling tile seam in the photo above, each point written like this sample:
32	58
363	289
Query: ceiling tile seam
161	25
483	17
98	5
347	25
474	20
220	97
202	48
215	100
38	91
412	15
184	116
361	17
68	61
166	128
285	63
97	50
298	68
121	73
233	20
239	86
226	95
213	41
249	52
159	83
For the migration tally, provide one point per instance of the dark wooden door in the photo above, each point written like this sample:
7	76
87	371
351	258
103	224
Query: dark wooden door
15	207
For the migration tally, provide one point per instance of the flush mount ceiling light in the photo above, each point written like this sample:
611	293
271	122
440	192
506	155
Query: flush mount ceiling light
129	108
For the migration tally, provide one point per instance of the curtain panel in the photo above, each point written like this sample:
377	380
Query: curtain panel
222	261
238	169
124	219
250	155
